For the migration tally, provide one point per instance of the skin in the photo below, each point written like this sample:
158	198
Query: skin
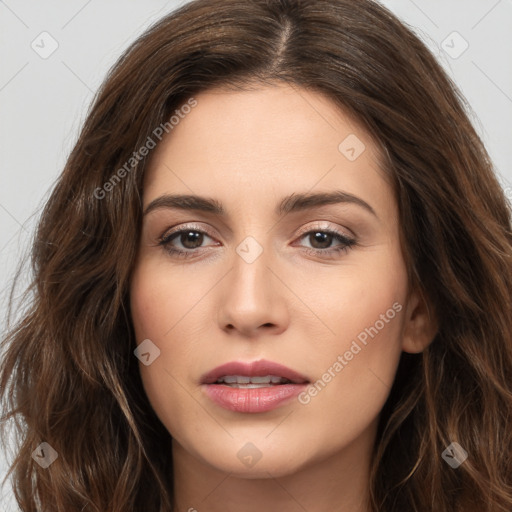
248	150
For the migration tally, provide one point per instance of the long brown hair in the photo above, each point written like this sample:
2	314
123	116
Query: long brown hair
69	376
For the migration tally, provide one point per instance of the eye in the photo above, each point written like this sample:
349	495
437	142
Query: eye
191	240
321	240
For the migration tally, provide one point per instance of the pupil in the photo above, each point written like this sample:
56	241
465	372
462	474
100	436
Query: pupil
192	236
321	238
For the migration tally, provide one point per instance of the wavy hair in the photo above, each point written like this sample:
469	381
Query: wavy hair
69	376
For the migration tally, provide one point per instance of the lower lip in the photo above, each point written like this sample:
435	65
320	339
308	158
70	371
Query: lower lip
254	399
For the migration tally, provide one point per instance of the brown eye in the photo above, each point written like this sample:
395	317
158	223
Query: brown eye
321	242
184	242
189	239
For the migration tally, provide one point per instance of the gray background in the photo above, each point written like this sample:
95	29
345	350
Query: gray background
43	100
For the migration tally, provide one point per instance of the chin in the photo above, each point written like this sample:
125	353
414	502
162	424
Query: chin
273	462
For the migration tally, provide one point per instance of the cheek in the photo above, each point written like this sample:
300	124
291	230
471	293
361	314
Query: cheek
364	302
365	309
355	372
159	304
161	299
162	310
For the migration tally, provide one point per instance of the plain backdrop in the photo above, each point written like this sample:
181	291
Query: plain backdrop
43	98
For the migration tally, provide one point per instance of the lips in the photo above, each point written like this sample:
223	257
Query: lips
245	372
254	387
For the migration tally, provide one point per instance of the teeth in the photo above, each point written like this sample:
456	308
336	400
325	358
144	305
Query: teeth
235	379
262	380
250	386
257	381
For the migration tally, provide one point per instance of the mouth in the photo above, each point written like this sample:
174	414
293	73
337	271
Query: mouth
256	374
245	382
259	386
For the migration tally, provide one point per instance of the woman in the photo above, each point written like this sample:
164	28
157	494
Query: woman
184	350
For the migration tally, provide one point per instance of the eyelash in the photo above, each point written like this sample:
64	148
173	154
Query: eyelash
346	243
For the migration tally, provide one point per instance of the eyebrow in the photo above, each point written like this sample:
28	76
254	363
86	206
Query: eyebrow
290	204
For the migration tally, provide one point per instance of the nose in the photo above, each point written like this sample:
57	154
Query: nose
252	300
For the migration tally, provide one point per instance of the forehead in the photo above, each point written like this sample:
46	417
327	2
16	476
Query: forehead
272	139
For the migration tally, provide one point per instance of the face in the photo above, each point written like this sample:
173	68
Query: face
252	270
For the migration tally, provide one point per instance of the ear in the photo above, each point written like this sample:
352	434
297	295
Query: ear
420	324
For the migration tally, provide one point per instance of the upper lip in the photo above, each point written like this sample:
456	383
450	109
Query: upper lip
259	368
